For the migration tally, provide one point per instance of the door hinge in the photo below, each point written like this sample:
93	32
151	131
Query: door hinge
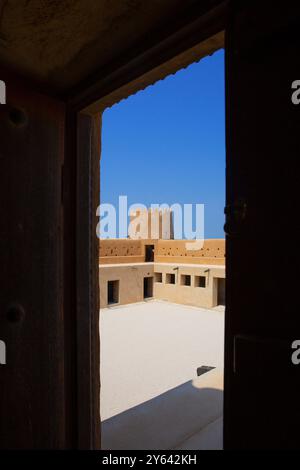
235	217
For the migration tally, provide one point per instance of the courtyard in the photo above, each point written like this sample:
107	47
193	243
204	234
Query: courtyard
151	395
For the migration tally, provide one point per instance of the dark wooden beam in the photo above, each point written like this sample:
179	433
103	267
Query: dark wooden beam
152	60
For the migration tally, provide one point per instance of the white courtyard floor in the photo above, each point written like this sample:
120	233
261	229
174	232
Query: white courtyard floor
151	397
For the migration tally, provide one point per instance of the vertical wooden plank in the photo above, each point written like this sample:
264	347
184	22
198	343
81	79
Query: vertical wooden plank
32	392
69	194
88	343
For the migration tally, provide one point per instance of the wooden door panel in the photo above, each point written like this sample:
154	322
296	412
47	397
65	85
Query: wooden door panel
32	394
263	147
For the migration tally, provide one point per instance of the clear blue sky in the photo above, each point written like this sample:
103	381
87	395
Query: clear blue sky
166	144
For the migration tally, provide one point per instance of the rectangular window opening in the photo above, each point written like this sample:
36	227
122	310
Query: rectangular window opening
200	281
170	278
185	280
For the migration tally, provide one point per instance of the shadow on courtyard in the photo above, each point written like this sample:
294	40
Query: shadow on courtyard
186	417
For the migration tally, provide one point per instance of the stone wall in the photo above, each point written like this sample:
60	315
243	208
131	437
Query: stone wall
170	251
187	284
131	282
194	284
165	251
179	274
121	251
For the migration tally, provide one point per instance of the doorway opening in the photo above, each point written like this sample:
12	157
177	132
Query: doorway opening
149	253
221	292
177	331
112	292
148	287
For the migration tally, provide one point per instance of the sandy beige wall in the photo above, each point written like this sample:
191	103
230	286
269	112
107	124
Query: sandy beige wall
120	247
212	252
166	251
123	250
121	259
131	282
188	295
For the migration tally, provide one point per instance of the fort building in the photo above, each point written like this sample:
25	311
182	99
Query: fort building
134	270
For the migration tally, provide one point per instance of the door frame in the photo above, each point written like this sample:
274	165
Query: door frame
202	35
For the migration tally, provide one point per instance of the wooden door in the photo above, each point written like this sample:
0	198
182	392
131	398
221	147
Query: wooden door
32	382
262	316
